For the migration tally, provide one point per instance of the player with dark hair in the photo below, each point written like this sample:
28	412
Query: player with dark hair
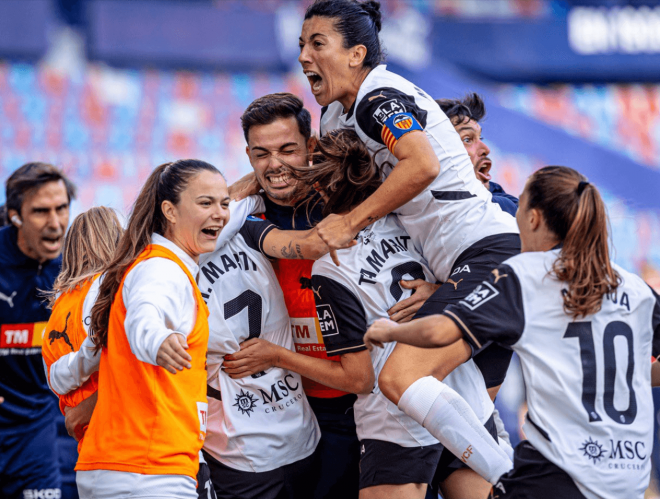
584	330
465	114
38	200
428	182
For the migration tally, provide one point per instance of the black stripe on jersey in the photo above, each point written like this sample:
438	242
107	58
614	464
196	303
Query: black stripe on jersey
213	393
538	428
378	105
342	317
655	323
493	311
254	232
452	195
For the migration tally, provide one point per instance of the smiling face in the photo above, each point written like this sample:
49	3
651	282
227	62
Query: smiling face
202	211
269	145
470	133
45	216
334	72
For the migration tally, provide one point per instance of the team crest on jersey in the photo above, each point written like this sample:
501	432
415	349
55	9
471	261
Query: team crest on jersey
593	450
481	294
403	122
252	218
387	109
245	402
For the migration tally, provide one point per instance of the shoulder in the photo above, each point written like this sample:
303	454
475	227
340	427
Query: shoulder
156	270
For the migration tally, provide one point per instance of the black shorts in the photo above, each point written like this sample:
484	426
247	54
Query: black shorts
292	481
386	463
449	463
534	477
471	268
205	488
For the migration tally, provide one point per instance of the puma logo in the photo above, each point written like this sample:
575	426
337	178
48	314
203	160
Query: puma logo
496	273
317	291
8	299
56	335
451	281
376	96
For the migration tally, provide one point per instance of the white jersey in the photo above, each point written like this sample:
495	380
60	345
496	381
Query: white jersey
455	211
588	380
260	422
349	298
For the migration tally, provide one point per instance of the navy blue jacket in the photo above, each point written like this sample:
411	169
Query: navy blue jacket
22	379
506	201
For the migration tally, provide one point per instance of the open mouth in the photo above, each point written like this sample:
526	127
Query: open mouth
212	231
278	180
483	171
52	243
314	80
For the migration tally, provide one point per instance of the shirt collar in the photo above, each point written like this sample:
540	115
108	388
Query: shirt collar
187	260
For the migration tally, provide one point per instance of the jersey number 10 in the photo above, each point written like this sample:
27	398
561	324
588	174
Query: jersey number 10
584	333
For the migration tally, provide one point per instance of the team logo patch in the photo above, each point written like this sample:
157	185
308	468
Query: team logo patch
387	109
481	294
252	218
245	402
327	320
403	122
593	450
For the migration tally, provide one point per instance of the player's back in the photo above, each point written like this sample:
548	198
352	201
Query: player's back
371	272
260	422
588	380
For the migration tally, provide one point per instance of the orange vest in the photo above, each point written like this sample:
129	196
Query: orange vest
147	420
299	298
64	334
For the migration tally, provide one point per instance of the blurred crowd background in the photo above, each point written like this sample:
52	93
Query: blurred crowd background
108	89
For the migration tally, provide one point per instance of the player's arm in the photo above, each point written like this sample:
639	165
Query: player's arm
417	164
655	373
433	331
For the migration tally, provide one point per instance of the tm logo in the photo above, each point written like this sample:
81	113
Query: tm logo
593	450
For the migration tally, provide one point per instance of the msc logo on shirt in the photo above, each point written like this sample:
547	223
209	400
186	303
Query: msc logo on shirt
42	494
481	294
327	320
245	402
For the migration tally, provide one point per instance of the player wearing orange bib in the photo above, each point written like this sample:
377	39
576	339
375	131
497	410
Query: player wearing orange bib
150	322
89	245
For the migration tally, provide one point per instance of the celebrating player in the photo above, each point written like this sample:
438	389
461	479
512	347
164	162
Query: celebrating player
149	422
584	330
88	247
429	183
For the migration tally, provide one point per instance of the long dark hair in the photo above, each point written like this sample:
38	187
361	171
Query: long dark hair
358	23
166	183
574	211
343	167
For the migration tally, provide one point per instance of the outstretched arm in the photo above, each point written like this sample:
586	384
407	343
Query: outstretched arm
429	332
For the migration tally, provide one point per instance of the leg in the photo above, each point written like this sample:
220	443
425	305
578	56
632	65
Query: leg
407	491
465	484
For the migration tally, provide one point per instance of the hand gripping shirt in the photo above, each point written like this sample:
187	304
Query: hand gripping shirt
260	422
455	211
588	380
349	298
146	420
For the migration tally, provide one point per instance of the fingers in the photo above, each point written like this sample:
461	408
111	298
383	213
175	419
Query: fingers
172	354
407	314
335	258
412	284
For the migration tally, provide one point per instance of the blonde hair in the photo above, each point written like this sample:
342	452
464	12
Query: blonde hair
89	246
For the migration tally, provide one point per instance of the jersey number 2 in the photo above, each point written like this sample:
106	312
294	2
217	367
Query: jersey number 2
583	332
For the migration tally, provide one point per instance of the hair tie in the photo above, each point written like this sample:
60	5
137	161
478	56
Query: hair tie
581	186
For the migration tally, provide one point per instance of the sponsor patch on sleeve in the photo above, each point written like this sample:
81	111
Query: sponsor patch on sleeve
481	294
397	126
327	320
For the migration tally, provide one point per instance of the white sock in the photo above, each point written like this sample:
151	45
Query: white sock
448	417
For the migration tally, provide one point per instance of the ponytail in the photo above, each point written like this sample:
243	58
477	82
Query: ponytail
166	183
575	213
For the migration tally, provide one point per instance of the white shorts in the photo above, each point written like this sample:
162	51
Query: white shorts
105	484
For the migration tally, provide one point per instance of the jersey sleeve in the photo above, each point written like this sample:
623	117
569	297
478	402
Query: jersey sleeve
492	312
238	211
342	317
655	322
254	232
387	114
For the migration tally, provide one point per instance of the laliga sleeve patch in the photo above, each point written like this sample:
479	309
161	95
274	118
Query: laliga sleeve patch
397	126
481	294
327	320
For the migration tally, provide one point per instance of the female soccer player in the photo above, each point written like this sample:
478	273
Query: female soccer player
150	323
89	245
429	183
584	330
399	456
